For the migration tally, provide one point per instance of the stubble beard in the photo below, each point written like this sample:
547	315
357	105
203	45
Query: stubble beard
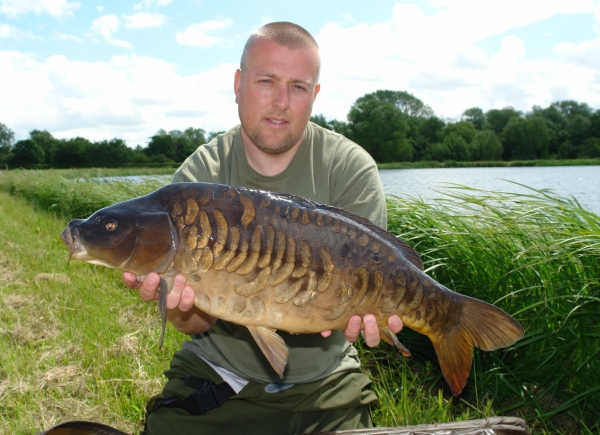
257	139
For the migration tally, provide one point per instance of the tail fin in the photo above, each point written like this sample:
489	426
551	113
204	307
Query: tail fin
482	325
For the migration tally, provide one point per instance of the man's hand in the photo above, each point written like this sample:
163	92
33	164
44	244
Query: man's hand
181	296
370	332
180	302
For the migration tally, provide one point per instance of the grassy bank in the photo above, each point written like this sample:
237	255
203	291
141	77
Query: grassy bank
75	343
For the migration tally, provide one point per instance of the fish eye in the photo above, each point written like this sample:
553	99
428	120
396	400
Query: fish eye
110	225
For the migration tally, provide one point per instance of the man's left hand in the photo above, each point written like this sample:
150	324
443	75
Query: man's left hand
370	331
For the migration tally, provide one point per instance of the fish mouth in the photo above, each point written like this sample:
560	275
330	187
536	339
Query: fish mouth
70	236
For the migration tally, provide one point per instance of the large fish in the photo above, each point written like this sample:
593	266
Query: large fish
280	262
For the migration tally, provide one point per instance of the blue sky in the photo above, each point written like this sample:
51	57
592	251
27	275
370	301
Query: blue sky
126	69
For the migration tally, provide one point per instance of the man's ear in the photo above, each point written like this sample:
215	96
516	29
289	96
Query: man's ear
317	89
237	82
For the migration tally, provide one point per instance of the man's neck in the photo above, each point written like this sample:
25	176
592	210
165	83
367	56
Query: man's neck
265	164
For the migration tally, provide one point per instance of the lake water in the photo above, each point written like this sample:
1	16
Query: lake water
581	182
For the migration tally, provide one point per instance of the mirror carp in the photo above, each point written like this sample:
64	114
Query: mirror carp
272	262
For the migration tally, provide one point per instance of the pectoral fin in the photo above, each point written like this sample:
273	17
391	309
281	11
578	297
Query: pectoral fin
389	337
272	346
162	308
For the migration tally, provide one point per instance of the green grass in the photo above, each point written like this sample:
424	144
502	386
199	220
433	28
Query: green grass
76	193
75	343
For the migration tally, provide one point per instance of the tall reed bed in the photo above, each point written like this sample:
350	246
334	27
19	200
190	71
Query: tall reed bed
537	257
534	255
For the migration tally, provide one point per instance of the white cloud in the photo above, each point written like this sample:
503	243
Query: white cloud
55	8
199	34
586	53
146	4
66	37
10	32
597	18
144	20
129	97
435	57
106	26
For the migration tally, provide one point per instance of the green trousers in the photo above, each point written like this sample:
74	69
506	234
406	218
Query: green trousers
340	401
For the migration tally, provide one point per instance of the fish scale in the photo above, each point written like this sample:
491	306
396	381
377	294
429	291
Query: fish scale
280	262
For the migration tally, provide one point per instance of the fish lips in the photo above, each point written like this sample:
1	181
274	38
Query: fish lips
70	237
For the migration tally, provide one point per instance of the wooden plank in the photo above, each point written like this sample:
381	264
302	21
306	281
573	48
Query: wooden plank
488	426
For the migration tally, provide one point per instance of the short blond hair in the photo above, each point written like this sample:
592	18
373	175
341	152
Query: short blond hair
283	33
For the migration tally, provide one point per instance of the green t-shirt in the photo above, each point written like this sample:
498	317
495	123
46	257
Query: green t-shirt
327	168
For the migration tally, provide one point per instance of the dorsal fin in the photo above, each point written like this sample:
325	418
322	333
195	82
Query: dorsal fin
409	253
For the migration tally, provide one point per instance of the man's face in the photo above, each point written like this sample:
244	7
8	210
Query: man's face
275	94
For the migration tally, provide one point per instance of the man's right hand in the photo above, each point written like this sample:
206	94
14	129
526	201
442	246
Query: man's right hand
181	311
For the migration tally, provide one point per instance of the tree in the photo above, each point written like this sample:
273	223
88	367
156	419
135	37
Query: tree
590	148
379	127
160	143
320	120
437	151
526	138
27	152
70	153
594	130
7	137
458	147
340	127
486	146
498	119
196	135
109	153
558	124
570	108
578	128
44	140
406	102
176	145
214	134
475	116
464	129
422	132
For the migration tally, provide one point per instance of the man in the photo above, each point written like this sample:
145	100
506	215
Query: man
277	149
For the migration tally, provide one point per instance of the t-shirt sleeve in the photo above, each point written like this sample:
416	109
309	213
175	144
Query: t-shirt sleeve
356	184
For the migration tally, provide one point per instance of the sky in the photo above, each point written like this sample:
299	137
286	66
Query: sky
105	69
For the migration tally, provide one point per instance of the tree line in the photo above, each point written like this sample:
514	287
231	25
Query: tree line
42	150
393	126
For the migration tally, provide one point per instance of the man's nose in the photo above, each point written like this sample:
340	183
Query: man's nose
281	98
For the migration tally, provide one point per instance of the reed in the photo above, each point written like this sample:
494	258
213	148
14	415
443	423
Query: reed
534	255
537	257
